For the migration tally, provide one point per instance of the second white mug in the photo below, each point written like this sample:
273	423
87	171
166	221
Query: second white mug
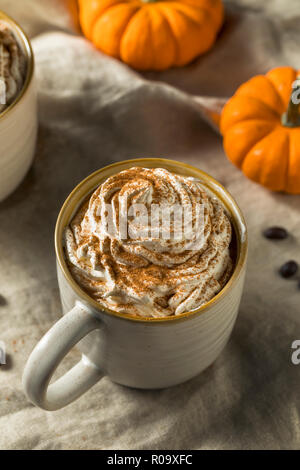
18	123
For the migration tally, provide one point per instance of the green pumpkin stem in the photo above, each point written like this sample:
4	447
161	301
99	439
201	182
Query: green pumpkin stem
291	118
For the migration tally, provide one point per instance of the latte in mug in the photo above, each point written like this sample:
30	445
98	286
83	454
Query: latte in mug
150	243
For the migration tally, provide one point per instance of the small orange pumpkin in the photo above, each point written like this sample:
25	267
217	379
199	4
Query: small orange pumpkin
152	34
261	129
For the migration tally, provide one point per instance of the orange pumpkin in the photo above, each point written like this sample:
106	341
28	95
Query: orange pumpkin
261	129
152	34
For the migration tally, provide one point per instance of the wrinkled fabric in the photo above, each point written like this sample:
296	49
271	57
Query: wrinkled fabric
94	111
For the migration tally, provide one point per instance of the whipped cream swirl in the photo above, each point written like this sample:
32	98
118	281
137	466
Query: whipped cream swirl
12	66
150	274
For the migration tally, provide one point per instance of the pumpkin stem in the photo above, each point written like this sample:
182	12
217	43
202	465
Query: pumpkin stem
292	116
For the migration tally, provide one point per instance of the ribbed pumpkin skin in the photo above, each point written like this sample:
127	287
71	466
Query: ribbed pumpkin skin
255	140
152	36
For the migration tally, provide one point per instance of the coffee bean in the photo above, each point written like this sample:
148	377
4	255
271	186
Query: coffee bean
275	233
288	269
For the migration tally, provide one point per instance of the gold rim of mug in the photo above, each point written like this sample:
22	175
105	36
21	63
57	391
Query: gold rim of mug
29	55
72	203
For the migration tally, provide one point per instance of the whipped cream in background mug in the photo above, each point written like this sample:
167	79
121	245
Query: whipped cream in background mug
146	352
13	66
146	275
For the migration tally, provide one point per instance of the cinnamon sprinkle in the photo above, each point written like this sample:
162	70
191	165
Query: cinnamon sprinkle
149	276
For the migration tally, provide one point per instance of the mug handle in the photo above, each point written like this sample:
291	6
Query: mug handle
48	354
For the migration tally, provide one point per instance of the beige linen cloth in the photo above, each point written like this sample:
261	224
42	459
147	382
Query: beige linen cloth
94	111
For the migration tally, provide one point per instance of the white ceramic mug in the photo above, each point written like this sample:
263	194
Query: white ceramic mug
18	123
145	353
